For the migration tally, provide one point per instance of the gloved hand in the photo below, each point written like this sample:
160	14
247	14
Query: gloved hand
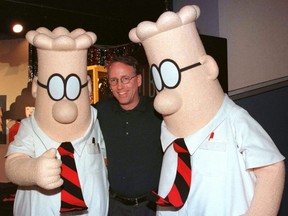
43	171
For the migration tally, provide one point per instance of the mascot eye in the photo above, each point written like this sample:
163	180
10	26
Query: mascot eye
170	73
73	87
56	87
156	78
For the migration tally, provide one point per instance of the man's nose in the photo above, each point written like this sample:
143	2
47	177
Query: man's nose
119	84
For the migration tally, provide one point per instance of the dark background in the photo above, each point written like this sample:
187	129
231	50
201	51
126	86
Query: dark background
111	20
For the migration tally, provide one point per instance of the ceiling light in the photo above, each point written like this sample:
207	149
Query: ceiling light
17	28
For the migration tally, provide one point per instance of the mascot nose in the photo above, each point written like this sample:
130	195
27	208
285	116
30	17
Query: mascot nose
65	112
168	102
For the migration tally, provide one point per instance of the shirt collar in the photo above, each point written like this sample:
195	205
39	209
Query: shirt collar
78	144
140	106
194	140
44	139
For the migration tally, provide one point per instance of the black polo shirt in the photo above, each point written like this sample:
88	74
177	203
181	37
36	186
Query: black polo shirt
133	146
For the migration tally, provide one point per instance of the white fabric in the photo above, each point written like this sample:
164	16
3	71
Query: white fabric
222	184
89	159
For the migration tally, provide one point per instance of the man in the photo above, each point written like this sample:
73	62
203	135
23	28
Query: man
131	130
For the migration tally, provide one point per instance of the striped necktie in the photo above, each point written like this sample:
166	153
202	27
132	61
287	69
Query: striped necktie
71	194
181	186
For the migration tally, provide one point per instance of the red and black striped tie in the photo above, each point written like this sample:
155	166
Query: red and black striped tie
71	194
181	186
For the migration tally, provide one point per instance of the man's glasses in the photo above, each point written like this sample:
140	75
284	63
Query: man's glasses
124	80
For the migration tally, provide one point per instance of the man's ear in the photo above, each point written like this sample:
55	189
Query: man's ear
139	79
89	85
34	87
211	67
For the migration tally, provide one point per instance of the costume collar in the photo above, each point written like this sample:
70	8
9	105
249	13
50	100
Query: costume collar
194	140
78	144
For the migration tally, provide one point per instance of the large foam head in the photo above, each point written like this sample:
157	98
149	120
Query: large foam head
61	88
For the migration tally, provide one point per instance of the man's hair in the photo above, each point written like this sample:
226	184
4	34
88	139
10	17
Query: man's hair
129	60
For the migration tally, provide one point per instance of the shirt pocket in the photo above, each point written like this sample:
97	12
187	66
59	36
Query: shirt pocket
210	158
94	161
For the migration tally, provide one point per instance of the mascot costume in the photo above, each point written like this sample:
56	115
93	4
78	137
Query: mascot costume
57	157
218	160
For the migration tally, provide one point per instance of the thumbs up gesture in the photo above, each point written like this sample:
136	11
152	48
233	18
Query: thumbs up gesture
48	170
43	171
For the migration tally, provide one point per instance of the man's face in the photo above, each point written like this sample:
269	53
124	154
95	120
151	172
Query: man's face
126	93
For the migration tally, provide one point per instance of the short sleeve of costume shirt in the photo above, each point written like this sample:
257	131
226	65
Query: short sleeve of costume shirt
23	141
253	141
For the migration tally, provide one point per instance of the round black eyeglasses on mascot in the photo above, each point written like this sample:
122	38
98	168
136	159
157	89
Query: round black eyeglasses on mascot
168	74
58	87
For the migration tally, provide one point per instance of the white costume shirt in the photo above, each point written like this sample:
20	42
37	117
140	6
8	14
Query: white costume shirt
222	182
89	159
